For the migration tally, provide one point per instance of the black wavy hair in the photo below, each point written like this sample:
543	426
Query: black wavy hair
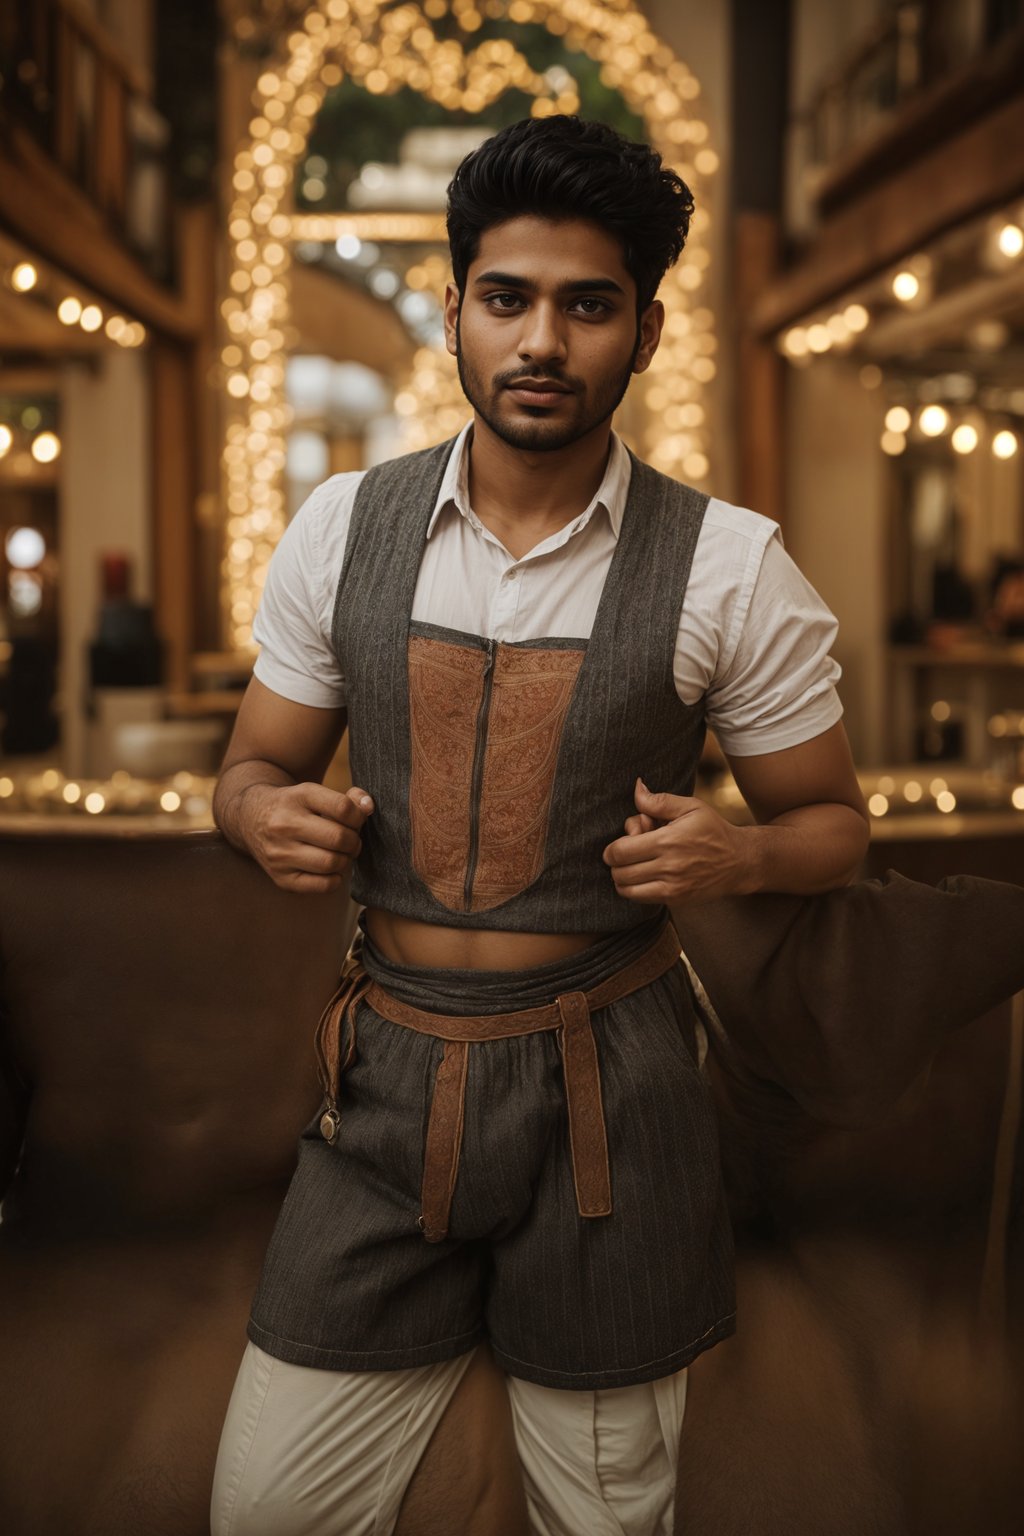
564	168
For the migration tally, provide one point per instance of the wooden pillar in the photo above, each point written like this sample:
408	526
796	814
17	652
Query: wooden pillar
760	49
760	371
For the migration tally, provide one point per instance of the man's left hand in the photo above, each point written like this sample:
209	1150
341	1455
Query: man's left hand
678	848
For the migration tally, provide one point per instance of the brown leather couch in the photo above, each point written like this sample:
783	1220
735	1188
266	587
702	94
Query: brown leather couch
158	1001
159	998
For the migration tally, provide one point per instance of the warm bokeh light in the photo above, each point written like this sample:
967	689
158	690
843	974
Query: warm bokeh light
897	418
94	803
46	447
6	439
856	317
1011	240
933	420
69	311
878	805
1017	798
91	318
964	438
905	286
893	443
945	801
1005	445
24	277
912	791
24	548
819	338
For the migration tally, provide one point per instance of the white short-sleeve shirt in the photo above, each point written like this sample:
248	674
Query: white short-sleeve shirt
753	639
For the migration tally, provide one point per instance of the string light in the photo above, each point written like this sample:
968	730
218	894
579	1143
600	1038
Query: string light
905	286
1005	445
386	49
964	438
24	277
183	800
933	420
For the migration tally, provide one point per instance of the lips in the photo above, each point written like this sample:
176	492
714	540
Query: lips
538	391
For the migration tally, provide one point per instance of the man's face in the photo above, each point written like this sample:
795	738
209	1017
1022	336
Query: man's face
546	330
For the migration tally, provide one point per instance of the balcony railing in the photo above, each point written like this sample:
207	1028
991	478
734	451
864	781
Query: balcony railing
64	81
921	52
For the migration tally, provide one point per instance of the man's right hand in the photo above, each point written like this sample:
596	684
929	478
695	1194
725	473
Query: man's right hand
304	836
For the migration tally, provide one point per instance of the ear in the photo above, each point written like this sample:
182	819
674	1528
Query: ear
651	322
452	300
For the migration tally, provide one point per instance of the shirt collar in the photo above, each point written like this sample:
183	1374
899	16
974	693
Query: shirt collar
610	494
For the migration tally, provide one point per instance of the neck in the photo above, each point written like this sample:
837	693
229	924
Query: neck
536	492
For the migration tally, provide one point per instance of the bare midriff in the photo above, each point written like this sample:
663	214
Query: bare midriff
408	942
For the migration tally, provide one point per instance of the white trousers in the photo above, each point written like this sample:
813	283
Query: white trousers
311	1452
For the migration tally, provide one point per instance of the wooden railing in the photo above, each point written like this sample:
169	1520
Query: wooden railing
914	52
64	81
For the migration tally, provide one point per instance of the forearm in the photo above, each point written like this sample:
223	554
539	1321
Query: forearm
237	789
810	849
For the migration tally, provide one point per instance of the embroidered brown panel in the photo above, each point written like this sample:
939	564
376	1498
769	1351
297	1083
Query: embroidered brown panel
530	692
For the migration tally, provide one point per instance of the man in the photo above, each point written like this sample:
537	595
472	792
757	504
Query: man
526	632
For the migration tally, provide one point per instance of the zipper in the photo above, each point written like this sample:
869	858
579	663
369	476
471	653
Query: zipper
476	787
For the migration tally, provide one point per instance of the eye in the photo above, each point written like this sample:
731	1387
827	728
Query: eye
504	301
590	306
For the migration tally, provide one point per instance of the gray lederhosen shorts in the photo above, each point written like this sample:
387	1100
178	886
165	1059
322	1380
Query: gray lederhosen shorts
350	1283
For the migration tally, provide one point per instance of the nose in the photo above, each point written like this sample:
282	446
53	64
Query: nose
542	338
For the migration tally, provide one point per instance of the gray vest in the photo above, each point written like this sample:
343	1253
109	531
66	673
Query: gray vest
501	771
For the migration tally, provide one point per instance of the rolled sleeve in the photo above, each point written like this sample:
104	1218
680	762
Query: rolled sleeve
292	625
779	686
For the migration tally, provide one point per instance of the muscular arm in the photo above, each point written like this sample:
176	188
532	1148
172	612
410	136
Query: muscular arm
270	801
812	830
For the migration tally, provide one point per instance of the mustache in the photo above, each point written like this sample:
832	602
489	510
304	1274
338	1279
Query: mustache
550	375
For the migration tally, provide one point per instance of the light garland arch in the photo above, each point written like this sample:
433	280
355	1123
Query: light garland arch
383	45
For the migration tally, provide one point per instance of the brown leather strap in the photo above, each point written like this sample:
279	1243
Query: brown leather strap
444	1140
654	962
351	990
587	1136
570	1013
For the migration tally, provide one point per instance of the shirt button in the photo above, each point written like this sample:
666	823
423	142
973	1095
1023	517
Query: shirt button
510	575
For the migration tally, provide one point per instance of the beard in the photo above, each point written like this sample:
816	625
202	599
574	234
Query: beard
538	429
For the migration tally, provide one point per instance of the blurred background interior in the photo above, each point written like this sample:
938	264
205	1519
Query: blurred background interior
222	260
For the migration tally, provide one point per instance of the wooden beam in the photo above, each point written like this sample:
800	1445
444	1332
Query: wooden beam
759	370
340	320
43	208
963	177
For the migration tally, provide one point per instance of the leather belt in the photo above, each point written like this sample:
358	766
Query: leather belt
569	1014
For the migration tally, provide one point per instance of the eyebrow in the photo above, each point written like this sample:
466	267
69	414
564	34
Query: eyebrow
588	285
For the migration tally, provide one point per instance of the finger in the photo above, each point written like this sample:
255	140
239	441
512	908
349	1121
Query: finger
304	884
636	849
351	808
637	874
637	824
653	891
663	807
307	859
295	829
